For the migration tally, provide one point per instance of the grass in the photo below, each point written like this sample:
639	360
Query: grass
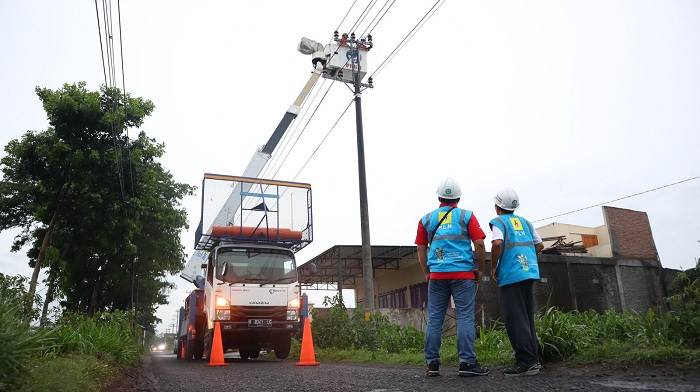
69	373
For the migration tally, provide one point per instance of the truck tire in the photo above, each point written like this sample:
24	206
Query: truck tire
189	348
208	342
198	344
282	345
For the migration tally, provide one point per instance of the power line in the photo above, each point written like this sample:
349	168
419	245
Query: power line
369	30
410	35
126	100
324	139
363	15
307	123
618	199
99	32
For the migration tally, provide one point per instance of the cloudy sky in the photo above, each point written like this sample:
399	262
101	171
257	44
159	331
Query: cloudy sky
574	104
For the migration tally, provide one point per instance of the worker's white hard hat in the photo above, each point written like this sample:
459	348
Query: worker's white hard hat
507	199
449	189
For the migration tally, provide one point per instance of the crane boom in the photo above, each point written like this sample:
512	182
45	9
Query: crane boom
253	170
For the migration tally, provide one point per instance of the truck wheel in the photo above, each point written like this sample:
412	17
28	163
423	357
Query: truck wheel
208	342
198	348
244	353
189	348
198	344
282	346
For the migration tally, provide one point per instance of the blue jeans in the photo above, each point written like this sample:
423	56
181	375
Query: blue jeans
439	293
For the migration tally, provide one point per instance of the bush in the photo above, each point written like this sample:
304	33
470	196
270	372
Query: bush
341	331
20	342
560	335
107	336
684	319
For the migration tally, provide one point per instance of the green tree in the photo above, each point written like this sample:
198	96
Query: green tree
96	207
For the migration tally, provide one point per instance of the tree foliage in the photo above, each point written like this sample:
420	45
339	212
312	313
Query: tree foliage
95	206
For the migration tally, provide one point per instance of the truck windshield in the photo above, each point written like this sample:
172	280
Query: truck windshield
255	266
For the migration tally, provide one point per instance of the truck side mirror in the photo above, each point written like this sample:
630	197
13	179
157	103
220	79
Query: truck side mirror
312	269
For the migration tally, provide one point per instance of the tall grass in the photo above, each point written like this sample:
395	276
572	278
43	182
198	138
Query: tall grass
104	340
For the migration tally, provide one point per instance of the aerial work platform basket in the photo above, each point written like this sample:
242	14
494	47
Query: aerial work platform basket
245	210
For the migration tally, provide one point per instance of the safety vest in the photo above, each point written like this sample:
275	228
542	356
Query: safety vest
451	247
518	259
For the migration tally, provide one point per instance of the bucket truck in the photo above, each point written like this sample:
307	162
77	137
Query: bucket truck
244	267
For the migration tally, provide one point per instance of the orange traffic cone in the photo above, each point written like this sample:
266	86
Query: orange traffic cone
307	356
217	350
182	351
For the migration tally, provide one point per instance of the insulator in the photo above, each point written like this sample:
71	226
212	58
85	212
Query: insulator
335	34
369	37
340	73
369	81
352	35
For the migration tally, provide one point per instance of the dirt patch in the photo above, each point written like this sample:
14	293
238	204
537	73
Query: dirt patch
136	379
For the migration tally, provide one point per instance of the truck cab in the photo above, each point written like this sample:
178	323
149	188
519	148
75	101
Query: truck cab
255	297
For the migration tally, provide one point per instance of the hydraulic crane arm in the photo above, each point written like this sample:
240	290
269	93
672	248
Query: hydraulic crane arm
253	170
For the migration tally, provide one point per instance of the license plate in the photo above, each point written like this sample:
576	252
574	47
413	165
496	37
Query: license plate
260	322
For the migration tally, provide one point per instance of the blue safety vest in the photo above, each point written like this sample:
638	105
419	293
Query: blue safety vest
451	247
518	259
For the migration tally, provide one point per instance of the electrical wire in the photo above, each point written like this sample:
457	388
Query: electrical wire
99	32
126	100
307	124
323	140
286	140
364	14
618	199
370	29
408	36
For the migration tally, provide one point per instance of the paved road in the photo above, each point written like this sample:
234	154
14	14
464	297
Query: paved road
163	372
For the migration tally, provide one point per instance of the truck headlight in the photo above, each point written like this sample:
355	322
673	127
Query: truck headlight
292	314
222	302
293	303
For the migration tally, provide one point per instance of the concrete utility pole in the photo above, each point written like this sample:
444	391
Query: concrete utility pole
349	51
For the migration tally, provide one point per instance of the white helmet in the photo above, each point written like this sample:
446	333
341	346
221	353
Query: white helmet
507	199
449	189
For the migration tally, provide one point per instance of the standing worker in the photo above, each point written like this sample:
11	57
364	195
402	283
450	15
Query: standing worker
514	248
444	244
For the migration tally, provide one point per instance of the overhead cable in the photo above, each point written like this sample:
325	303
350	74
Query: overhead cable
410	35
618	199
323	140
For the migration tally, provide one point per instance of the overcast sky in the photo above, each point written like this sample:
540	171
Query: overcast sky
571	103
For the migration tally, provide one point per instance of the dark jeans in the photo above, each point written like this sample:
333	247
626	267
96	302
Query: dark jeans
519	317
